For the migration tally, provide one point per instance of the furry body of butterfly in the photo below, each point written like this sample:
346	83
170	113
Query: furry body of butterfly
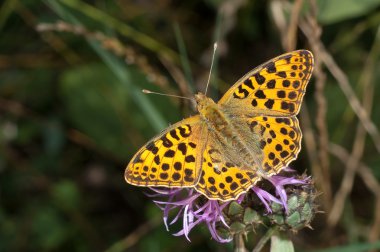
219	121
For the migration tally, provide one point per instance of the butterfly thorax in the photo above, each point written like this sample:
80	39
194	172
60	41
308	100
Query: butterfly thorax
211	112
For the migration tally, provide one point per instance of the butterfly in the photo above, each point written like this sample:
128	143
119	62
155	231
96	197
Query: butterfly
251	133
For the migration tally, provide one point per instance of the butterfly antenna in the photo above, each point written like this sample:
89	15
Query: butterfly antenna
212	64
145	91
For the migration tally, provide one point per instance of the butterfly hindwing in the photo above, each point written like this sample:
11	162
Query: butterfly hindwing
280	140
170	159
273	142
220	177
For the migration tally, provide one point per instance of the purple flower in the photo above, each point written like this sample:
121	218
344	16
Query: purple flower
279	182
194	208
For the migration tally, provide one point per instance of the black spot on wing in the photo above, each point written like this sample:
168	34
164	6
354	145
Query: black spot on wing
173	134
182	148
182	131
260	94
281	74
271	84
166	142
286	57
269	103
271	68
259	78
248	83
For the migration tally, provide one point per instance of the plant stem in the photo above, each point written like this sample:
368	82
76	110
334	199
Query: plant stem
264	240
239	245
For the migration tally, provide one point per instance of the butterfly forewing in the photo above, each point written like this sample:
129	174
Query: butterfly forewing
171	159
274	88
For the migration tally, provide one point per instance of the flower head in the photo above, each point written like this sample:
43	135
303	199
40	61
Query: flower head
220	217
193	208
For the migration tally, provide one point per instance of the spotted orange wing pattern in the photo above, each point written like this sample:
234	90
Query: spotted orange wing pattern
224	179
268	98
274	88
220	178
172	159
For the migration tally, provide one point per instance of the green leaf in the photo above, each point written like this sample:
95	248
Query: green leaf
333	11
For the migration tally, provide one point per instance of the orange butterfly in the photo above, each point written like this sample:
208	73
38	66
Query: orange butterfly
251	133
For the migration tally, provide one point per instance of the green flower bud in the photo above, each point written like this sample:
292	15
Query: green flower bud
301	209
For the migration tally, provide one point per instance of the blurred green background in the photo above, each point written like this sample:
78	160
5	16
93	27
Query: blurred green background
72	113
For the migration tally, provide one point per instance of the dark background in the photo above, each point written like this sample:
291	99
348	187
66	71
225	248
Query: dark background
72	113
